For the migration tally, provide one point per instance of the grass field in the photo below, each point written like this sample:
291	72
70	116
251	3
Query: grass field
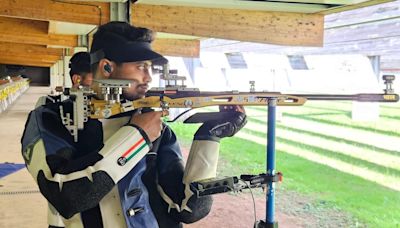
353	166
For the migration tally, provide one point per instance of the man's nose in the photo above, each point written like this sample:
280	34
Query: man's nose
147	78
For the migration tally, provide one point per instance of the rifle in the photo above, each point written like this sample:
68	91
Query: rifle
179	96
182	97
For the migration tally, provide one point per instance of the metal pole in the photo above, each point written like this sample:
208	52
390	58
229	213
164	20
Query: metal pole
270	213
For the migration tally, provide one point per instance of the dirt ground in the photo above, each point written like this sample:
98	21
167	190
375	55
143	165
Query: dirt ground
238	211
22	206
292	210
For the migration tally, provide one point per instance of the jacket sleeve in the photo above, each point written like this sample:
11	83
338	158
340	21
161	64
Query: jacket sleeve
170	166
73	183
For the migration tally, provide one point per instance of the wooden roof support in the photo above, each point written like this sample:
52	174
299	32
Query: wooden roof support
92	13
177	47
245	25
24	62
36	57
32	32
24	49
40	39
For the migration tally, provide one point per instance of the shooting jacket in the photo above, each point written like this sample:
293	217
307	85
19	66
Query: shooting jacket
105	179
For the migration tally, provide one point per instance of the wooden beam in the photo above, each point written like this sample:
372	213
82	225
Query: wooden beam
52	27
244	25
15	48
41	58
24	62
23	31
39	39
177	47
92	13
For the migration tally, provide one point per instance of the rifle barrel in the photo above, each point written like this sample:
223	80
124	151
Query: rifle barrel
362	97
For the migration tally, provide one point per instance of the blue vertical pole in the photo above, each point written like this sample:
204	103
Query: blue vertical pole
270	213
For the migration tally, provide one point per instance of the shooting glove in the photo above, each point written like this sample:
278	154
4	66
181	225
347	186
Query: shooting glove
220	128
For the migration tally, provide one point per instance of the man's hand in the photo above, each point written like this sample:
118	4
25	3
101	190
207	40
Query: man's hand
226	127
150	122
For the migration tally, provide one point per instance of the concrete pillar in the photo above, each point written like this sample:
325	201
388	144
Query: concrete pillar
376	65
79	49
52	75
67	83
83	41
56	77
61	72
119	11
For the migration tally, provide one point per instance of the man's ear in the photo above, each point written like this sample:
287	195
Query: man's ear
106	67
76	79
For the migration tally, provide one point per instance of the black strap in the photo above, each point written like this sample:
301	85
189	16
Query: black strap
92	218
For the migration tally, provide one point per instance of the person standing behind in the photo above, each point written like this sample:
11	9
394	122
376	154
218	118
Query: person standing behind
80	75
80	72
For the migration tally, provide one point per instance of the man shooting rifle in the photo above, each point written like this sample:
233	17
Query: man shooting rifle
126	171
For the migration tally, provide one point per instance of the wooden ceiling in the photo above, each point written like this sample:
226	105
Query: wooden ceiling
38	33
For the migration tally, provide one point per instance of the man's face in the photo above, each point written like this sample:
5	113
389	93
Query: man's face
139	73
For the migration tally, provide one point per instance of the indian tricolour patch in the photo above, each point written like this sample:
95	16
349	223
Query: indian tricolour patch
131	152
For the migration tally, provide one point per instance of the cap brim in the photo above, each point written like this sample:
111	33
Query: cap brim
134	52
154	57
